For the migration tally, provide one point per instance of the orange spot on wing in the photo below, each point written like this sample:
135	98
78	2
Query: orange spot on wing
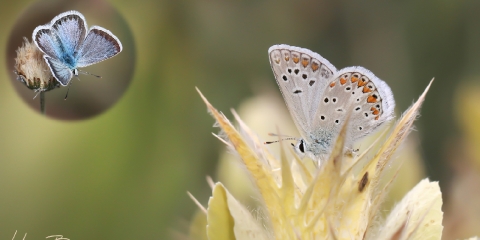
315	66
305	62
296	59
332	84
354	79
377	117
371	99
361	83
375	111
343	81
366	89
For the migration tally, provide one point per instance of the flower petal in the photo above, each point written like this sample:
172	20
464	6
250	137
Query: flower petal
228	219
418	216
219	220
262	177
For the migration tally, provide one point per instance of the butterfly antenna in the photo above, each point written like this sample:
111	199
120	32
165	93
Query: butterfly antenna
68	89
279	135
87	73
283	139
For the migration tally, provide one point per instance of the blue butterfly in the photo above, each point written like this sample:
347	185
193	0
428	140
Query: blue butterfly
68	46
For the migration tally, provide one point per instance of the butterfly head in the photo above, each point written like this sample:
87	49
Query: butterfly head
316	150
299	148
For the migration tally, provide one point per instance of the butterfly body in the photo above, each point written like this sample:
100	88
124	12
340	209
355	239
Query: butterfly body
319	96
68	45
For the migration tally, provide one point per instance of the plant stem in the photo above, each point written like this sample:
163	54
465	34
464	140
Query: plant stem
42	102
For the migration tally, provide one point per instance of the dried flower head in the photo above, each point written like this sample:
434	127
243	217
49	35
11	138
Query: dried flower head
339	200
32	70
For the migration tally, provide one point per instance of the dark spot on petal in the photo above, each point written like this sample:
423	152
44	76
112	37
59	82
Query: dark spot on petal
363	182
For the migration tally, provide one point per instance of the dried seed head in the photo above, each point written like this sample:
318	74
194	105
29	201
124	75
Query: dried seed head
32	70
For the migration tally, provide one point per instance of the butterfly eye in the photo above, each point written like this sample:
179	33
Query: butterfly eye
301	146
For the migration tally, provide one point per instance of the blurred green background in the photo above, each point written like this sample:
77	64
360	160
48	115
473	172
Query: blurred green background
124	174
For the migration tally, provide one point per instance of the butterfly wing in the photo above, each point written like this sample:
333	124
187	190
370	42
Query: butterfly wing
62	38
358	90
99	45
62	73
301	75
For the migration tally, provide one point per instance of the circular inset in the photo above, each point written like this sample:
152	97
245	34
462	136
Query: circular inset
91	95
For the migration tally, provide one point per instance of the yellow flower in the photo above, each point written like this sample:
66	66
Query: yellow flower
339	200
